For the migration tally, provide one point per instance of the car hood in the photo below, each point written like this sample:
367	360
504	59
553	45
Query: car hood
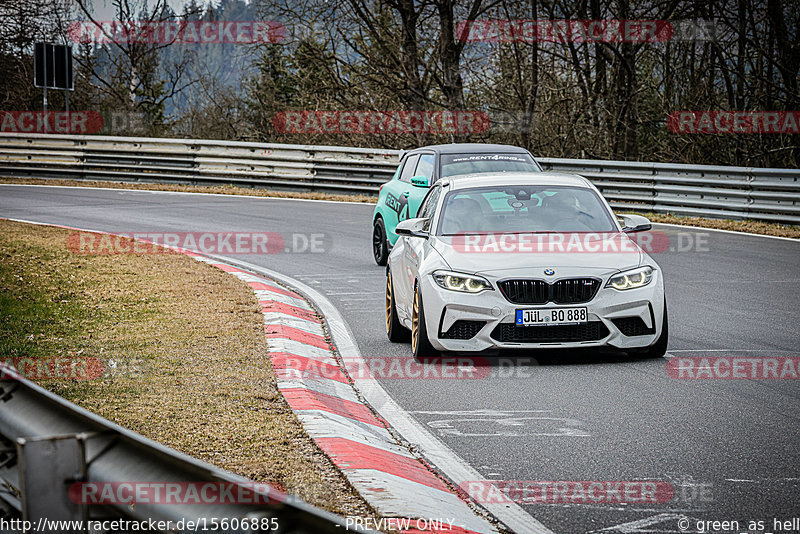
566	253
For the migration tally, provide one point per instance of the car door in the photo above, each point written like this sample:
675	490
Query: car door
398	192
414	249
416	193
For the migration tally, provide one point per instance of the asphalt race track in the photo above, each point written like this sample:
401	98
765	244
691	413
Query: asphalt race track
730	448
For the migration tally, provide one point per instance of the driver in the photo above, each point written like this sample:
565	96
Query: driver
563	213
460	215
560	207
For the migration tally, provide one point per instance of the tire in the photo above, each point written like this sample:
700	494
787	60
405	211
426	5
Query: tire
659	348
380	245
395	331
420	344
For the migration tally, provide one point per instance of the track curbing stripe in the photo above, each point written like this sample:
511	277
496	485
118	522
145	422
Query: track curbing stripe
308	399
290	332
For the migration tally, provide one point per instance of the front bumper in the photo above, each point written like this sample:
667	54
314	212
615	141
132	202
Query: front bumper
605	312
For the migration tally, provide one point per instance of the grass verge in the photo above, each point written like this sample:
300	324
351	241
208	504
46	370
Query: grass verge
190	359
754	227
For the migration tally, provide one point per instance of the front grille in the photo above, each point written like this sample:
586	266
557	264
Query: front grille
526	291
462	329
509	333
633	326
567	291
574	290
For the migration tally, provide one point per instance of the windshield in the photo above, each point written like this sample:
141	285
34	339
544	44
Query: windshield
524	209
454	164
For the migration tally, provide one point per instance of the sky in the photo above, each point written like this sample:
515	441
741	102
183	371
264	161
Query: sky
104	9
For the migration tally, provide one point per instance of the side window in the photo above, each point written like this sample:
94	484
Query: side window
428	206
425	166
408	168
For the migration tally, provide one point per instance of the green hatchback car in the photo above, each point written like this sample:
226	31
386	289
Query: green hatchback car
420	168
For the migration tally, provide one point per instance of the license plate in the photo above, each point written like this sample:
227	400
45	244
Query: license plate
551	316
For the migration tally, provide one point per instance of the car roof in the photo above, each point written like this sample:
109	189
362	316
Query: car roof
470	148
465	181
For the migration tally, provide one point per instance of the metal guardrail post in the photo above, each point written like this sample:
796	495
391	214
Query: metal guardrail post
48	467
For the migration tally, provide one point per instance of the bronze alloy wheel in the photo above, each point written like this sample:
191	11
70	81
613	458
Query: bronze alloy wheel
415	323
420	343
395	331
388	302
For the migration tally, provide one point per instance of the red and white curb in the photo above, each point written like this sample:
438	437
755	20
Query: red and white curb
396	482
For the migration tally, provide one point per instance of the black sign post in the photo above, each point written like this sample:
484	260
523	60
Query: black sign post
52	68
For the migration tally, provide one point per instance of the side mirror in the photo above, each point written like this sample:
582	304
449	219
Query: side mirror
634	223
420	181
412	228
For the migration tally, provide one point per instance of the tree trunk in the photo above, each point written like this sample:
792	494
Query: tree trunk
449	59
414	93
625	138
530	104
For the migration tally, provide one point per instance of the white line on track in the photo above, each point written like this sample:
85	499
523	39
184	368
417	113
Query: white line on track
727	231
733	281
316	276
154	191
354	293
733	350
763	480
638	525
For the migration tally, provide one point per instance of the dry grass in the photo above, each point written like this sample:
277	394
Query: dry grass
755	227
193	370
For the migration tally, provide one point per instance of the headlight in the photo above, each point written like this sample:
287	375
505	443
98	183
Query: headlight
465	283
631	279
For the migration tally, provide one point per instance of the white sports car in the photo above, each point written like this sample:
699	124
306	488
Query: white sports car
523	260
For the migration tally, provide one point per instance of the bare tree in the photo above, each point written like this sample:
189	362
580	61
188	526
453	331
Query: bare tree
129	73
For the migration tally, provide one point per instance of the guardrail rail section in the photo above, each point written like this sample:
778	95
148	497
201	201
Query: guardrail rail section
701	190
48	445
